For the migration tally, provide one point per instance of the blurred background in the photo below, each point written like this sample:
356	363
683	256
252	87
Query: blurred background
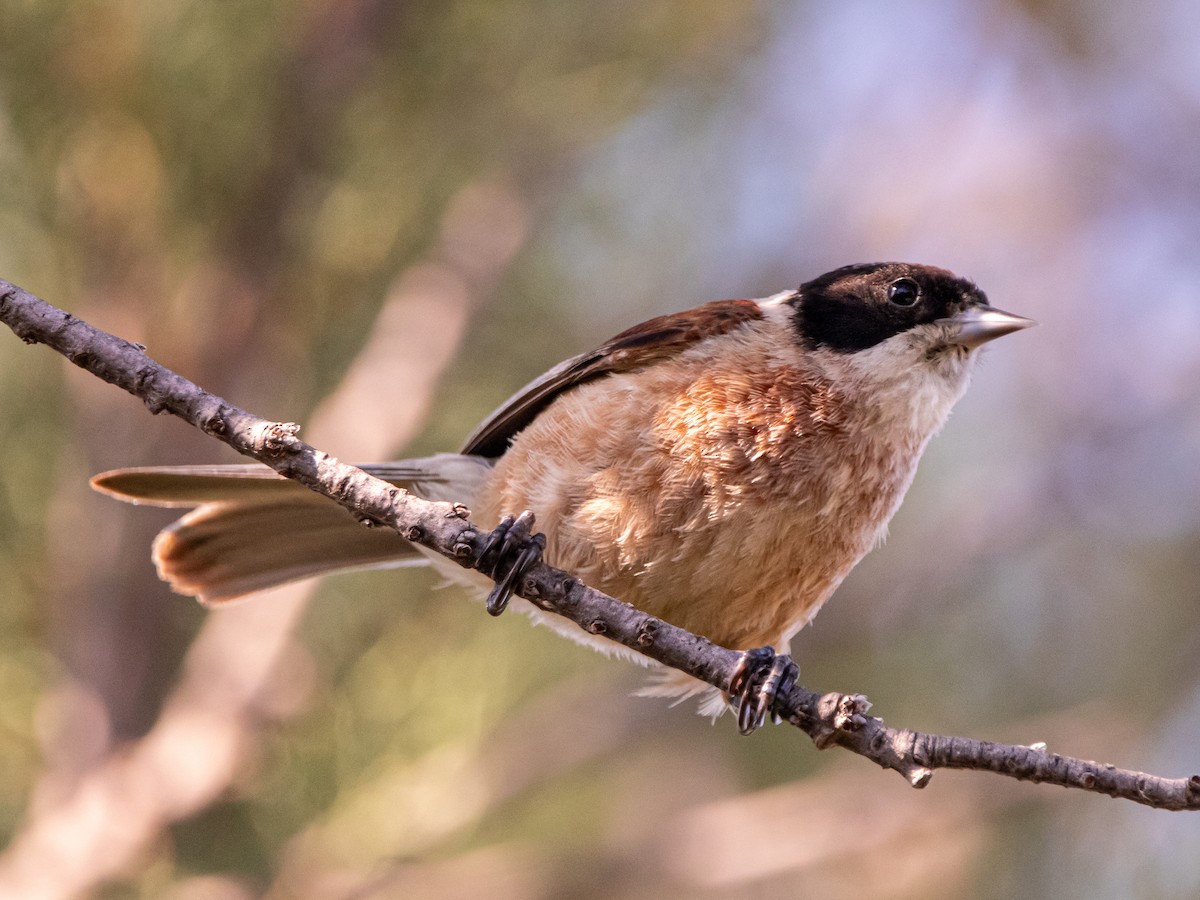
379	219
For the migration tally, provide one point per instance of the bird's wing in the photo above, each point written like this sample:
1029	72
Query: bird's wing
635	348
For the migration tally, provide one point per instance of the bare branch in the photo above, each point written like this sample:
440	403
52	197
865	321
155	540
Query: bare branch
828	719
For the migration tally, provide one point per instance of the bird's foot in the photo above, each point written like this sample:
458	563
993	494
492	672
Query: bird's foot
760	677
511	551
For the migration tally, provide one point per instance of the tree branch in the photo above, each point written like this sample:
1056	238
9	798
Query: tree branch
445	528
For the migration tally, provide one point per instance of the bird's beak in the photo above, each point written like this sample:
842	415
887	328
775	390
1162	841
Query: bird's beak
976	325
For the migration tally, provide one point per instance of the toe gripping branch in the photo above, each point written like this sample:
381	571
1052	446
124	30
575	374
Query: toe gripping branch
760	677
511	551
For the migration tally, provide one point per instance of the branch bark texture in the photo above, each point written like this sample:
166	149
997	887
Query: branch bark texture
829	719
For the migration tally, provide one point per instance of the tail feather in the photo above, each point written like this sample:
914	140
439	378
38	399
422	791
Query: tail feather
193	485
252	529
221	551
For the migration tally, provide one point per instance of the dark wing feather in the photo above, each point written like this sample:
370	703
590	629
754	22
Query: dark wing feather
630	350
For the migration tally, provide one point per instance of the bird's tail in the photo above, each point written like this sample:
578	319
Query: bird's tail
252	529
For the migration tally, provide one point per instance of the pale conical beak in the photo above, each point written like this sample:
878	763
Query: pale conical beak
976	325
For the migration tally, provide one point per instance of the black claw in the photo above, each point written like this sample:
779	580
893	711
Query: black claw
487	561
780	680
512	536
760	677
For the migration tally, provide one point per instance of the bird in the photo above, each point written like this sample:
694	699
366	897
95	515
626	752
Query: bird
722	468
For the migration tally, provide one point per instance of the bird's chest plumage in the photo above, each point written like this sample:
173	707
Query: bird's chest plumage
727	494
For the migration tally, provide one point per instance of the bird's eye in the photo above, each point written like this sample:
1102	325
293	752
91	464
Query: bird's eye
904	292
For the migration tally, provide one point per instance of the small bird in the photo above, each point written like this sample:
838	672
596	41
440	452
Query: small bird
722	468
